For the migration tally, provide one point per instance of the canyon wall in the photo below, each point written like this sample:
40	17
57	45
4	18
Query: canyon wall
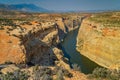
34	41
100	44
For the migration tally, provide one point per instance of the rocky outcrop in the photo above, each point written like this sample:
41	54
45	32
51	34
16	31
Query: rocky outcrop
32	41
100	44
35	43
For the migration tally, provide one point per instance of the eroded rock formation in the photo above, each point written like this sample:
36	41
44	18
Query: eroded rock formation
33	41
100	44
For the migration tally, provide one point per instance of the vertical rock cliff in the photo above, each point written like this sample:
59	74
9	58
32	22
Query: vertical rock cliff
100	42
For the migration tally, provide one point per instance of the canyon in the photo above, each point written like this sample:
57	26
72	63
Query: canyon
99	39
36	39
32	39
28	41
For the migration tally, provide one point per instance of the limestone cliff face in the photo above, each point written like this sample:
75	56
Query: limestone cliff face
100	44
33	41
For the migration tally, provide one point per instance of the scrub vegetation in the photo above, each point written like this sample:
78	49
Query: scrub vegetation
105	74
108	19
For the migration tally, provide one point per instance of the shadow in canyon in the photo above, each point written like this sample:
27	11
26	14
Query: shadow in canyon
69	49
37	52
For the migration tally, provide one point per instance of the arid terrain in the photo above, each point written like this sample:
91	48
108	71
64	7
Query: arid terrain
29	45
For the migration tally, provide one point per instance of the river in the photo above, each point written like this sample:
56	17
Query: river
69	49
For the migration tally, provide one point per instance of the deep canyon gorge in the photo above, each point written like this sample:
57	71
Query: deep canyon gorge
60	40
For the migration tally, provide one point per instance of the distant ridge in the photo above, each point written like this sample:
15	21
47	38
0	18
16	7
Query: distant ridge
23	7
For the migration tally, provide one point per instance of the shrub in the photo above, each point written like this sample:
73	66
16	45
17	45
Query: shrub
46	77
43	73
100	72
17	75
105	73
65	71
60	75
76	67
